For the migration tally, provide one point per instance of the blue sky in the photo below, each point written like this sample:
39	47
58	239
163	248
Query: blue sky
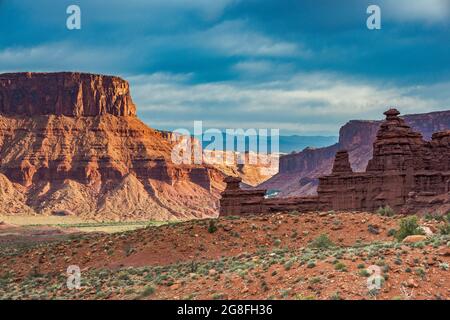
305	67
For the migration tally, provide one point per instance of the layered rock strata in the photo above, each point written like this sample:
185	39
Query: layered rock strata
299	172
71	141
407	173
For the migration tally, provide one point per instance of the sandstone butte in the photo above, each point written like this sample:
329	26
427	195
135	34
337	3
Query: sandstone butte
406	172
299	172
71	142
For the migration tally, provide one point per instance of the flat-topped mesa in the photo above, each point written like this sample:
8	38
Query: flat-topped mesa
64	93
342	163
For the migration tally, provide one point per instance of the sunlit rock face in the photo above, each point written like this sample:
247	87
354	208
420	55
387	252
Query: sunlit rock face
71	141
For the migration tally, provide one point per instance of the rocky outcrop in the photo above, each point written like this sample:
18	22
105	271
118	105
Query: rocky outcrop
236	202
68	94
407	173
299	172
403	167
71	141
341	163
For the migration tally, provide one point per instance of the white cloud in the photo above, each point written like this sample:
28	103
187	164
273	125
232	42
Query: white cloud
236	38
62	56
263	68
429	11
316	103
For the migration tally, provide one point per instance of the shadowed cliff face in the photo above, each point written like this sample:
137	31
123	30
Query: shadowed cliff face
299	172
69	94
71	141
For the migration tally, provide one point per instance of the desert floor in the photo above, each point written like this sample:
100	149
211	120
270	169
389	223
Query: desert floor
281	256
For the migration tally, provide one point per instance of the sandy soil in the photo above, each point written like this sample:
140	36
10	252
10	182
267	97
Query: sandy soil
271	256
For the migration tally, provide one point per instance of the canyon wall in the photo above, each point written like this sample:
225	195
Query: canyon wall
72	142
65	93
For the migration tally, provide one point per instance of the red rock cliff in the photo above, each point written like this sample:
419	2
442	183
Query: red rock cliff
69	94
71	141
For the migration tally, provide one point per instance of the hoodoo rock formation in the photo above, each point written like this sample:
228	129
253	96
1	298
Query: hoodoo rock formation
407	173
71	141
299	172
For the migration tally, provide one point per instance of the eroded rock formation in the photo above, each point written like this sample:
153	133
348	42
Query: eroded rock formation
71	141
407	173
299	172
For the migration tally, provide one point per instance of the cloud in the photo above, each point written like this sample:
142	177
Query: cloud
429	11
236	38
62	56
263	69
315	103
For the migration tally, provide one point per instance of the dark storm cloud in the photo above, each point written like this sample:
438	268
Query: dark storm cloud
211	60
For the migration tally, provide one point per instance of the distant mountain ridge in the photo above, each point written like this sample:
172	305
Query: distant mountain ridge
287	143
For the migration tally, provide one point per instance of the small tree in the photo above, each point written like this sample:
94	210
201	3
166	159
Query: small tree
212	226
408	227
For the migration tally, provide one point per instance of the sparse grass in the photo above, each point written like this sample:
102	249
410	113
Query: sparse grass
336	296
340	267
78	223
148	291
276	265
444	229
444	266
364	273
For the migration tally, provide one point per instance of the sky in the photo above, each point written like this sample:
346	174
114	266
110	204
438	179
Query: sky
305	67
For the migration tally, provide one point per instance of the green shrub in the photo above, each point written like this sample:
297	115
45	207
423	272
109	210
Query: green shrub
408	227
391	232
340	267
386	211
444	266
277	242
148	291
364	273
322	242
444	229
212	227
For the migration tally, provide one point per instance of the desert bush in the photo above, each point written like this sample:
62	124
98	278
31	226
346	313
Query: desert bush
433	216
364	273
340	267
212	227
408	226
322	242
444	229
391	232
386	211
148	291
